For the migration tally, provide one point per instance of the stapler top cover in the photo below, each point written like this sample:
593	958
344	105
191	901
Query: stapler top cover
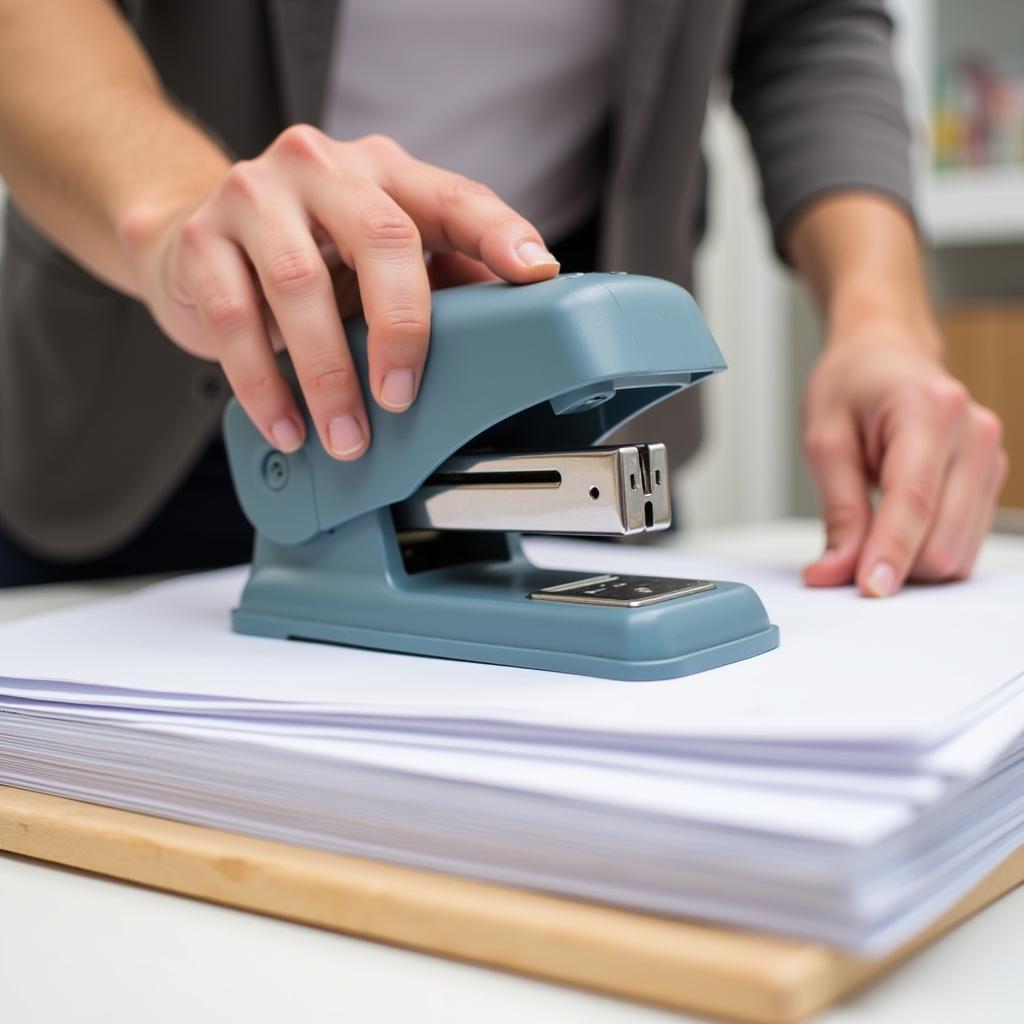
592	348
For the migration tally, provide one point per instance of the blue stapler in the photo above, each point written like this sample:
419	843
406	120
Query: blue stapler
415	547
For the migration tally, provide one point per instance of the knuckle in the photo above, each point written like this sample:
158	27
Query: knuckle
194	234
302	141
840	516
386	226
459	189
295	272
328	378
245	181
989	426
408	323
380	147
948	397
900	546
252	388
938	563
918	499
821	445
225	313
511	224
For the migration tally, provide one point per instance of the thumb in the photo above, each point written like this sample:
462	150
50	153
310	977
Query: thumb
836	464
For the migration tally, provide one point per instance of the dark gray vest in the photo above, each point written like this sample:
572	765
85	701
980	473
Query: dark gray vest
101	416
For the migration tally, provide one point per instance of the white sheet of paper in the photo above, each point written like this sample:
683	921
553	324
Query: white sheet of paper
911	670
919	692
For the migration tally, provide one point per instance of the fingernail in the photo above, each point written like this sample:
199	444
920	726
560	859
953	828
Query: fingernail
286	434
881	581
398	389
344	435
533	254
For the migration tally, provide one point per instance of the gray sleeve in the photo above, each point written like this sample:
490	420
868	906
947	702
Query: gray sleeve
815	84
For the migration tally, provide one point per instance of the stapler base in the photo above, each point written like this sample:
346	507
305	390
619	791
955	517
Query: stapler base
575	662
481	611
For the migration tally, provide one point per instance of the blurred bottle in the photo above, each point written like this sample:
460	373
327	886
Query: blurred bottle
978	114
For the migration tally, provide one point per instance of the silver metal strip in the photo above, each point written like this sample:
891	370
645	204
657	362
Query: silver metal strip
622	591
620	490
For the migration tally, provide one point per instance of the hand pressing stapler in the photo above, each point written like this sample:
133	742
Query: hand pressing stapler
415	546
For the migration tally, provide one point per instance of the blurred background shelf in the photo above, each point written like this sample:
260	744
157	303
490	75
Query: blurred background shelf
973	206
963	71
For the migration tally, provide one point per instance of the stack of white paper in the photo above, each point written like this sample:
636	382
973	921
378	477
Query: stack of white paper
849	786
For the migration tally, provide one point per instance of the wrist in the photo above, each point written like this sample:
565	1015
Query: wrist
146	219
860	307
167	164
860	255
143	228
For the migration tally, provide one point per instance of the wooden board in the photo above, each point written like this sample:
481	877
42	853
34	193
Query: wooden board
985	349
688	966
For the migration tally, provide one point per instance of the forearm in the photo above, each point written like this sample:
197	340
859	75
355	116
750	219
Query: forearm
90	146
859	254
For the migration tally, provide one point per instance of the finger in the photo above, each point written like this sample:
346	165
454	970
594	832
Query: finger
221	285
379	240
983	523
453	212
448	269
968	502
916	455
835	461
298	289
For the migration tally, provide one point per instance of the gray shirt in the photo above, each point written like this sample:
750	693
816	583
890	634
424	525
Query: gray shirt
515	95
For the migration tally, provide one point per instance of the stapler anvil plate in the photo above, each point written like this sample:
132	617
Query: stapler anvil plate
415	547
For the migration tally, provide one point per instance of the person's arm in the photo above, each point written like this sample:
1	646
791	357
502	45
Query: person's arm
87	135
880	409
816	86
227	254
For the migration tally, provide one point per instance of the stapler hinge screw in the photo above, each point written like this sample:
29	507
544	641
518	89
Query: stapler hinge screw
275	471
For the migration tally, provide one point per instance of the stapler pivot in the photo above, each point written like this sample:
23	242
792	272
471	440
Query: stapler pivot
415	547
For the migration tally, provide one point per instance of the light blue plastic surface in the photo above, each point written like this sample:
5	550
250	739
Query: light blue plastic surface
537	364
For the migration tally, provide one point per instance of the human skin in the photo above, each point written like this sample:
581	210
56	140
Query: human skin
237	260
881	410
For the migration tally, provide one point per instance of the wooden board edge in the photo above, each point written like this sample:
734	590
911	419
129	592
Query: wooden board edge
682	965
833	975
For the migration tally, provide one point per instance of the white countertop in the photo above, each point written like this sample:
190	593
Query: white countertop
79	948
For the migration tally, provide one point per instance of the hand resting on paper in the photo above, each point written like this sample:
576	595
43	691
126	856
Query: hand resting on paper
881	411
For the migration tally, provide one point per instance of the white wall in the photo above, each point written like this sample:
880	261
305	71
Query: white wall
746	468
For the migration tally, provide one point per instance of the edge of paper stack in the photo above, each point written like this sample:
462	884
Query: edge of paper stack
848	788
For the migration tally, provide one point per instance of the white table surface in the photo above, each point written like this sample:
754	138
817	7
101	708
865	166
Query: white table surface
84	949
